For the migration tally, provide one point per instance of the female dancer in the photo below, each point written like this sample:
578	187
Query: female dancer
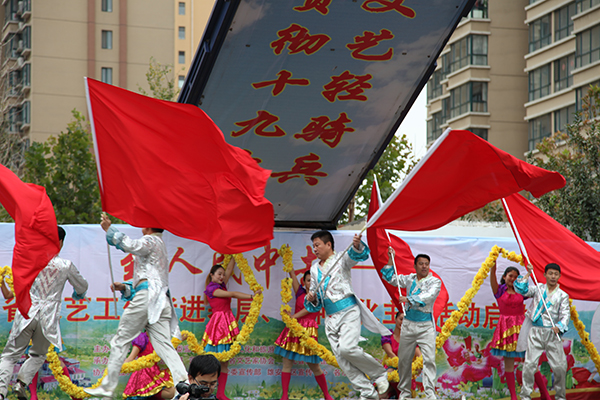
289	347
148	382
512	314
222	329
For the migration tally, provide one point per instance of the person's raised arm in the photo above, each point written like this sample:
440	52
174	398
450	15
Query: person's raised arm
494	279
236	295
229	270
295	281
133	355
387	348
6	291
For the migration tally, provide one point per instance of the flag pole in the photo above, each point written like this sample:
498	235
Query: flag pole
112	277
524	250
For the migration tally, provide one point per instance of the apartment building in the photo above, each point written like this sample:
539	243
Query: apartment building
514	72
49	46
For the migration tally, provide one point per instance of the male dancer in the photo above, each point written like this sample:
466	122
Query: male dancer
418	327
42	327
542	334
150	305
345	312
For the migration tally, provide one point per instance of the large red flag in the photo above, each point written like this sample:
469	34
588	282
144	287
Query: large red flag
167	165
379	242
460	173
36	233
542	240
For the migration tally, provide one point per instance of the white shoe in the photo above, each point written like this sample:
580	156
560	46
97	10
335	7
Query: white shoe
21	391
98	392
382	384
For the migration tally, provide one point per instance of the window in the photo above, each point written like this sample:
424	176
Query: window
539	128
107	5
182	57
539	82
434	126
470	50
26	75
26	112
180	81
469	97
26	37
182	32
587	49
10	11
481	132
106	75
583	5
581	92
539	33
434	86
563	24
107	37
562	72
181	8
10	47
563	117
480	9
12	118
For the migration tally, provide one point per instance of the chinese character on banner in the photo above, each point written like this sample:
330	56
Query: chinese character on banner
127	264
492	315
445	314
299	39
177	258
266	261
77	306
307	260
305	165
243	309
368	40
11	308
258	161
389	311
471	317
191	309
342	83
380	6
330	132
260	124
370	306
317	5
107	308
285	78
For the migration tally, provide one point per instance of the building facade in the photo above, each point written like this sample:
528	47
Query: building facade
514	71
50	46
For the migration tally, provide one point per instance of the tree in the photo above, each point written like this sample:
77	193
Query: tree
576	155
65	166
161	82
396	161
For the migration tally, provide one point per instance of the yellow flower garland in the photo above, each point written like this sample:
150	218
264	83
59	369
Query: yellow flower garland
292	323
585	337
7	276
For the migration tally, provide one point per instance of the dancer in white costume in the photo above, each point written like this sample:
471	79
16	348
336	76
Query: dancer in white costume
42	327
542	328
345	312
150	306
418	327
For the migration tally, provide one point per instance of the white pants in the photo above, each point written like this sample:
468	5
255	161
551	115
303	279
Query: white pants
540	340
13	351
413	334
343	332
133	321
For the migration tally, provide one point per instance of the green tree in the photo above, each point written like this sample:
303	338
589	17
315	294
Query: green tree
576	155
65	166
396	161
161	82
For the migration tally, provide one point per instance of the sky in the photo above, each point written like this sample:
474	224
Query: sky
414	125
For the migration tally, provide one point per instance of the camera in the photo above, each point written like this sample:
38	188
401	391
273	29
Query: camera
196	391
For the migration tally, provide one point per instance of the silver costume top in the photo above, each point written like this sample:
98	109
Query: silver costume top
46	292
150	262
421	294
557	303
338	285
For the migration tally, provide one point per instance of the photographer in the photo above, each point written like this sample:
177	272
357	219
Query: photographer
203	376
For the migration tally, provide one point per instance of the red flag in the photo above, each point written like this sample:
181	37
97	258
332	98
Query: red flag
36	233
542	240
167	165
460	173
379	242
